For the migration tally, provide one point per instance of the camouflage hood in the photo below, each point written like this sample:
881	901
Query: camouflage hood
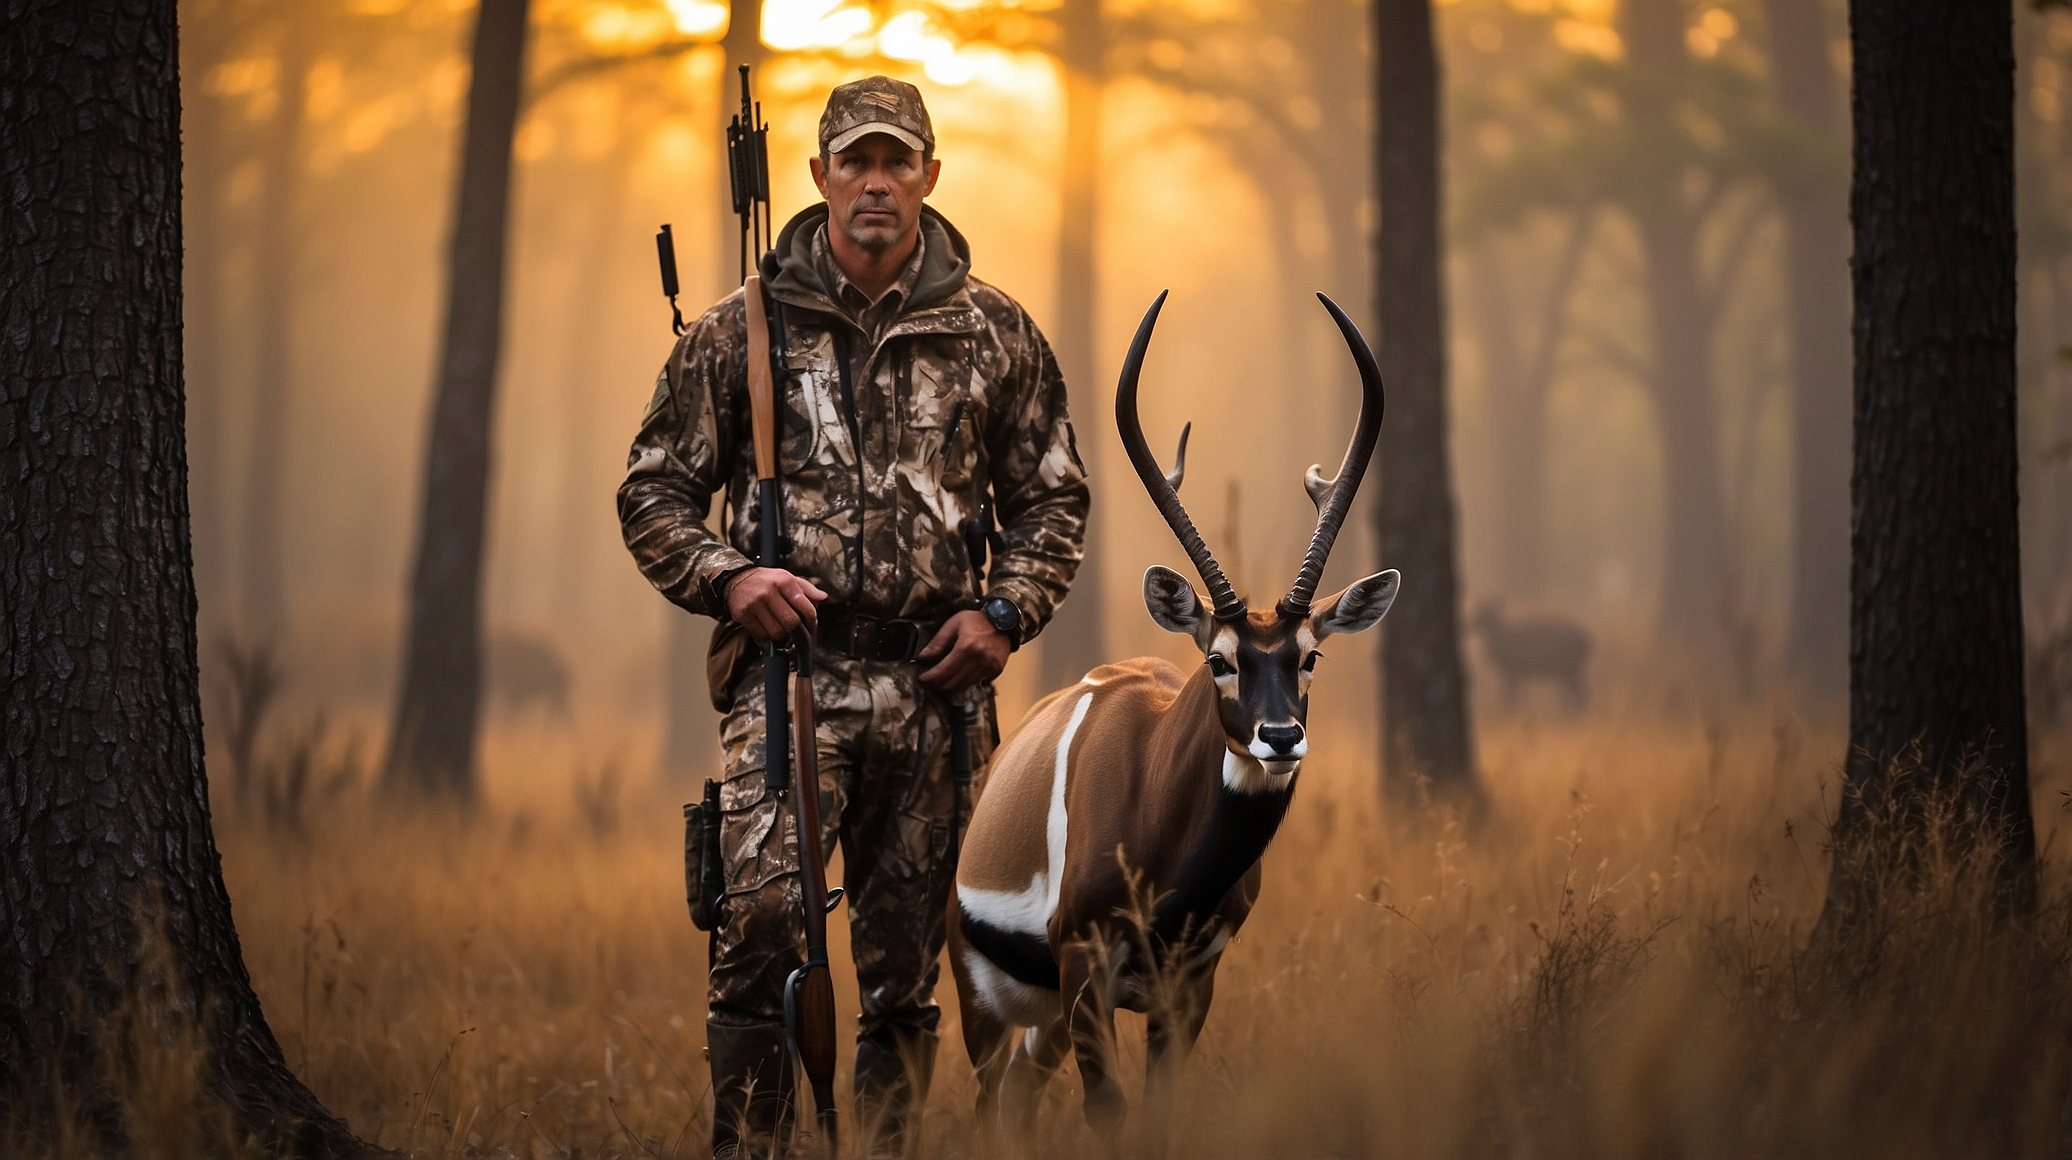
794	276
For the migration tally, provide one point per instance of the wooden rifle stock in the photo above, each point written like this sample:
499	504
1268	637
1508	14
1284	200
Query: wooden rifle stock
809	994
762	389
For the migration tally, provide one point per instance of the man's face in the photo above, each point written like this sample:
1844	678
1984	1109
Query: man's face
874	190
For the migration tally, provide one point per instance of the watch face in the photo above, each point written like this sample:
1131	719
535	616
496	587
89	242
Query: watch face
1003	614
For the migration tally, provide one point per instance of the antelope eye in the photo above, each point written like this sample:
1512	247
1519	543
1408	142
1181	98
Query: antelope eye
1309	663
1219	666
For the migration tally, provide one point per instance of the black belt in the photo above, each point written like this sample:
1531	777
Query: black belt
869	638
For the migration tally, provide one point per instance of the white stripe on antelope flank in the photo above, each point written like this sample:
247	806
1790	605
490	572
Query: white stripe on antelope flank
1028	910
1054	832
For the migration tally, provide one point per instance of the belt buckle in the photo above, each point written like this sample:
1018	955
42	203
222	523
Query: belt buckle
897	640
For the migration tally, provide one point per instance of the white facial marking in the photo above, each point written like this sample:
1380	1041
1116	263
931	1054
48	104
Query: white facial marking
1224	644
1242	774
1272	758
1028	910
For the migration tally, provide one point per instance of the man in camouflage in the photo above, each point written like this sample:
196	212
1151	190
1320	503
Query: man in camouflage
917	395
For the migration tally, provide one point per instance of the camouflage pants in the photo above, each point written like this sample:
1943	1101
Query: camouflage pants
886	795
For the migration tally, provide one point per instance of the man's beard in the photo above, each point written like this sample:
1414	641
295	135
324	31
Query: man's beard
873	239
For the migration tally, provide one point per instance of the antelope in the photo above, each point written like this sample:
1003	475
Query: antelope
1548	648
1145	790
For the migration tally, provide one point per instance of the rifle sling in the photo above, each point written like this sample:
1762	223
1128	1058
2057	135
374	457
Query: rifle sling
762	387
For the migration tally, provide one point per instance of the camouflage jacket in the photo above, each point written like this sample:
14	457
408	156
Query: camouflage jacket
958	395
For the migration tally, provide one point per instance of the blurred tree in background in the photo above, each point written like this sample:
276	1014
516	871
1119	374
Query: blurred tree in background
432	742
1424	686
1678	145
1811	196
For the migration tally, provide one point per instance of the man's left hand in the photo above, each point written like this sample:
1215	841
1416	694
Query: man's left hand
967	649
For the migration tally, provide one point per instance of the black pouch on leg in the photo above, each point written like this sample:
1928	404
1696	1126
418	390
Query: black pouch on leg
704	886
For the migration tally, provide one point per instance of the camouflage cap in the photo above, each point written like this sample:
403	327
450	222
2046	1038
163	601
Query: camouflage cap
875	105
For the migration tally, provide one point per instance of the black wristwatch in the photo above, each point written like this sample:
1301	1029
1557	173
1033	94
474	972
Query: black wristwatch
1005	616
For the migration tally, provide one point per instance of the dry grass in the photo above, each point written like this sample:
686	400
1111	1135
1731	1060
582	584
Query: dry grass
1613	967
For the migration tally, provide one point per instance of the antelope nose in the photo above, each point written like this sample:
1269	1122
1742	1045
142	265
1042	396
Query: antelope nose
1282	737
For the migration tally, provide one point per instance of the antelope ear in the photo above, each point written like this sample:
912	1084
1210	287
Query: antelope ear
1171	601
1357	609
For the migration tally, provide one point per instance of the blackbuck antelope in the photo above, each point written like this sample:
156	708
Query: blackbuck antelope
1116	847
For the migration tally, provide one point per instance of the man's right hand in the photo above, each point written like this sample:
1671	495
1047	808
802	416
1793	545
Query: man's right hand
771	602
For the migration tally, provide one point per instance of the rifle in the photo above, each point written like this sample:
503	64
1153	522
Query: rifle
809	996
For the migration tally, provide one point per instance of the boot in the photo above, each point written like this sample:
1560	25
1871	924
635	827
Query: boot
751	1089
893	1069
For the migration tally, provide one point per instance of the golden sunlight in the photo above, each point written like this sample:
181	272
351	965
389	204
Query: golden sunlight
698	17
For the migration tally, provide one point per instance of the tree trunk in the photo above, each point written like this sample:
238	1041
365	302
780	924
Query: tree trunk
1817	279
1680	330
1935	617
264	596
432	744
1424	690
115	915
1694	518
1075	639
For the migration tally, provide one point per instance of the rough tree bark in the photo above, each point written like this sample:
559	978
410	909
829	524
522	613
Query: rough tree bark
118	929
1424	688
1074	640
263	599
432	741
1817	277
1935	617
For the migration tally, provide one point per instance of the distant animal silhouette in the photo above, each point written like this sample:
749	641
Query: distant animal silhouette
1544	648
527	671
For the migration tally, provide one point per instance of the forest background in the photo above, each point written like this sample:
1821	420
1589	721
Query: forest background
1629	428
1233	166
